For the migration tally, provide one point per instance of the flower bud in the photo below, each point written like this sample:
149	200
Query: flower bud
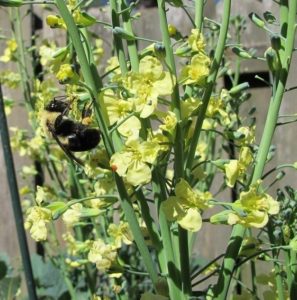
183	51
272	59
241	52
257	20
82	19
172	30
159	50
239	88
55	21
60	52
276	42
66	74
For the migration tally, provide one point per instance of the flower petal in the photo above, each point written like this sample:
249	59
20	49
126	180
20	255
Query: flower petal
192	221
138	173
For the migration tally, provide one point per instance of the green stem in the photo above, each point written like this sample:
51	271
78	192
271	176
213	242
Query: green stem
210	83
132	49
238	232
293	265
118	43
22	59
169	55
136	231
172	267
17	210
178	148
199	7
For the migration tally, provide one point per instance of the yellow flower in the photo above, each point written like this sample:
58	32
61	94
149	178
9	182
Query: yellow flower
169	123
186	205
197	71
159	138
147	85
10	79
132	162
189	106
120	233
236	169
55	22
98	51
75	247
171	30
196	41
72	215
113	65
202	150
10	50
248	136
118	110
66	74
36	220
252	208
102	255
41	195
217	108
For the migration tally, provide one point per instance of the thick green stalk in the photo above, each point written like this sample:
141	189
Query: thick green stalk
169	55
22	60
199	7
149	221
172	267
210	83
136	231
178	146
16	205
293	266
237	235
132	49
118	43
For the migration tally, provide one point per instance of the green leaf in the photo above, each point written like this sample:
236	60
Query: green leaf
9	287
3	269
48	277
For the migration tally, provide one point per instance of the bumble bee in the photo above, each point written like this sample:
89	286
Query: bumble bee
71	136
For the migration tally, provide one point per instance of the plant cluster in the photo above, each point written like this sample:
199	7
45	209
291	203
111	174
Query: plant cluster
121	220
